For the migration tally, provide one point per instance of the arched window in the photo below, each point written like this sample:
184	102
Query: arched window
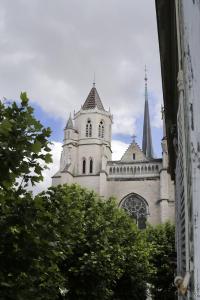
101	129
88	131
84	166
91	165
137	208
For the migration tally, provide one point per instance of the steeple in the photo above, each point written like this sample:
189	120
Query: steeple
93	100
69	124
147	146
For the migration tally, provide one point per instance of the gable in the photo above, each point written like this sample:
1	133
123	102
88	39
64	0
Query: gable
133	153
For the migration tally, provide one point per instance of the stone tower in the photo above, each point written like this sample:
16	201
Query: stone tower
87	143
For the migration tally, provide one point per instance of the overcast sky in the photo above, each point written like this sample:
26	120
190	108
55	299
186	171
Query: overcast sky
51	49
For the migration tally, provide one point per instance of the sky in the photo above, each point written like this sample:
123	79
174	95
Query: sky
51	49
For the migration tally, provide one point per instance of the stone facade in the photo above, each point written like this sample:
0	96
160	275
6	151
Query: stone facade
179	40
140	183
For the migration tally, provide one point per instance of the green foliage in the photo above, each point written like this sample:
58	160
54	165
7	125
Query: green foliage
29	256
69	239
24	146
163	258
68	243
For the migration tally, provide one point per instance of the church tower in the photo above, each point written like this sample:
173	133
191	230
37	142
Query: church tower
86	145
139	182
93	124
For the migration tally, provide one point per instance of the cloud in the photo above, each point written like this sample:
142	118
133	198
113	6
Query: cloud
52	48
53	168
118	149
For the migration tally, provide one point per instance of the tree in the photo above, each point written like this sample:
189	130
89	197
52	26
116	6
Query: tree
163	257
69	239
104	246
24	145
28	261
65	243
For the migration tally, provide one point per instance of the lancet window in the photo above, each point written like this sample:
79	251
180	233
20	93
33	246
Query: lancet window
101	129
91	165
84	166
88	130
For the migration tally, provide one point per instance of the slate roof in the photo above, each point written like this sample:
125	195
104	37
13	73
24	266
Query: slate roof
93	100
147	145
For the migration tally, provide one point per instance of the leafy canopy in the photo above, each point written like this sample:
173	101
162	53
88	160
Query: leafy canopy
163	258
24	146
68	239
67	243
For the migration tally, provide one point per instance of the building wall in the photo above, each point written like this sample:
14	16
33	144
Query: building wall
80	120
148	189
179	39
189	20
90	182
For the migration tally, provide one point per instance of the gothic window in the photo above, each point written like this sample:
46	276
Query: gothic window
101	130
137	208
88	131
133	156
84	166
91	165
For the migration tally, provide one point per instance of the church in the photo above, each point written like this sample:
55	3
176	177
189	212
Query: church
140	183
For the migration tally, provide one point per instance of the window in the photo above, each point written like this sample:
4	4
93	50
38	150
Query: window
133	156
88	131
84	166
91	165
101	130
137	208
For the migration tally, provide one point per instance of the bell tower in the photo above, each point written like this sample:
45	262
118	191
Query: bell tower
93	124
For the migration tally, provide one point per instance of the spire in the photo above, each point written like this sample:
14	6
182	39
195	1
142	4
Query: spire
69	124
147	140
93	100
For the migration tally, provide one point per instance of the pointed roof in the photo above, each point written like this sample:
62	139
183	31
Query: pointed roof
93	100
69	124
133	149
147	146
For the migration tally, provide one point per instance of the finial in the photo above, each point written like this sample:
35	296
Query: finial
145	71
145	78
94	80
134	137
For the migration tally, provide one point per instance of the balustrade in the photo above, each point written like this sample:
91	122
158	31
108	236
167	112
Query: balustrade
115	170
